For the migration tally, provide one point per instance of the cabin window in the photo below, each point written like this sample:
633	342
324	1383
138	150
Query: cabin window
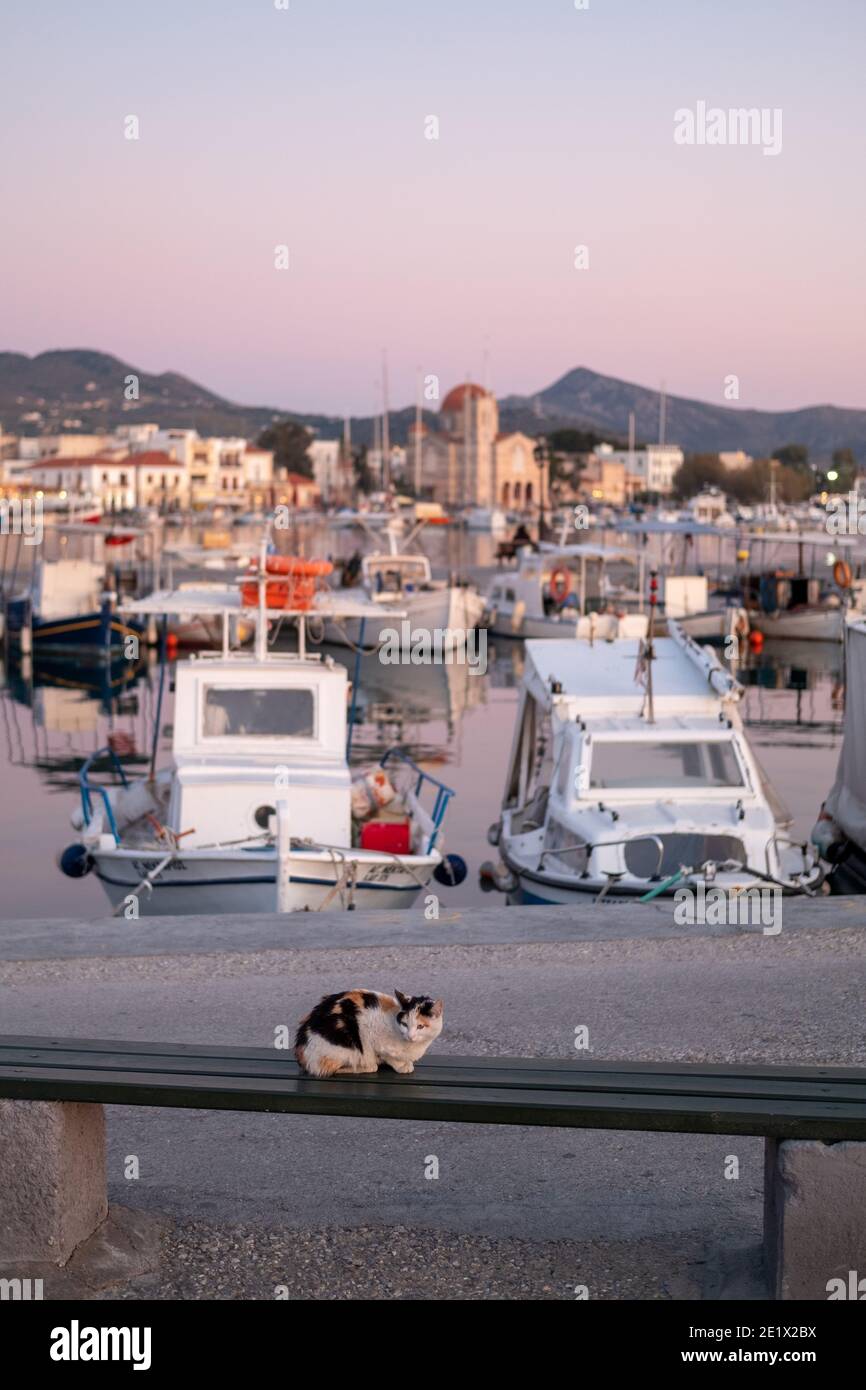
564	848
232	713
645	765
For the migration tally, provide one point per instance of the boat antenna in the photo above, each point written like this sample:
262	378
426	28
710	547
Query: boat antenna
650	645
261	625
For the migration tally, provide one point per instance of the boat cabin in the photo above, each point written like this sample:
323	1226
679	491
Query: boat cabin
247	733
588	766
573	579
395	574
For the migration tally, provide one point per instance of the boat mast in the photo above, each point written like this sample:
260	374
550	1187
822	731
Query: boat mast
386	426
418	424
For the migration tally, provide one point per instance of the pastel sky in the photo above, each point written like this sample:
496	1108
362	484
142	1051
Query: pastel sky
306	127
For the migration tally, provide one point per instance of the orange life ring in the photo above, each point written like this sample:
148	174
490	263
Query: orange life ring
842	574
296	589
291	564
560	584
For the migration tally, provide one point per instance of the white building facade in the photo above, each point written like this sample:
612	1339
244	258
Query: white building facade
654	466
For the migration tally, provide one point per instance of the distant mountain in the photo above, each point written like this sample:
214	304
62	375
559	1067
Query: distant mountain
81	391
585	398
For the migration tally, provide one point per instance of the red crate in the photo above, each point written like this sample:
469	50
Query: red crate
388	835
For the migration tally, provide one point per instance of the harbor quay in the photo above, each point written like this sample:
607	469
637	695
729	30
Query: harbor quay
214	1203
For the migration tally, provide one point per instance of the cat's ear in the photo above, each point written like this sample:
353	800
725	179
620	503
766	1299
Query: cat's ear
437	1009
404	999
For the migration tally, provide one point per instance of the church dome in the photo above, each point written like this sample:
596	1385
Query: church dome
456	398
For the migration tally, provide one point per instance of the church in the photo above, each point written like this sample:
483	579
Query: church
467	462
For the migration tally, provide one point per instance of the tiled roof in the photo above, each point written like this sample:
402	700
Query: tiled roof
457	395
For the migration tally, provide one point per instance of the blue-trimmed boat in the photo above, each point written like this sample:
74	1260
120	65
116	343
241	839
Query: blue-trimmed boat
258	810
68	610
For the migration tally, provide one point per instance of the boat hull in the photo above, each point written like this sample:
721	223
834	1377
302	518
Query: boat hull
231	883
95	636
455	609
537	890
807	625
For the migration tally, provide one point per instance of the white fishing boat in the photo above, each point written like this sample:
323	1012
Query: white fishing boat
840	831
257	810
401	579
630	773
556	586
682	551
801	587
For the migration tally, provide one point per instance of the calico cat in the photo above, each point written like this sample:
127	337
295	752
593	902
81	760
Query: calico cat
356	1030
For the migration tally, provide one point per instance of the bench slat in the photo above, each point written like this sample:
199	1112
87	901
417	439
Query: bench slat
229	1052
778	1118
268	1064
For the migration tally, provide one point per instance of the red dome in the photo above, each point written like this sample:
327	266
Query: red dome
456	397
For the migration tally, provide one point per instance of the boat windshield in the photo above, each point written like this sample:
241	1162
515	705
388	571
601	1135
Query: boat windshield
669	764
391	572
232	713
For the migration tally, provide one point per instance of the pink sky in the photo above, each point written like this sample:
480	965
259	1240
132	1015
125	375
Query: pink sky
261	127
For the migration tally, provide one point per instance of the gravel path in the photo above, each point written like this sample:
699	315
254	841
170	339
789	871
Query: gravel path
370	1262
339	1207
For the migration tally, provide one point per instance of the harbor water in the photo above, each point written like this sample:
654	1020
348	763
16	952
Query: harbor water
458	723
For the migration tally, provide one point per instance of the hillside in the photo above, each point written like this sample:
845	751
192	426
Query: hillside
82	391
603	403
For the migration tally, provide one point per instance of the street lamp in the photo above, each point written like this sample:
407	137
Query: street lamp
542	458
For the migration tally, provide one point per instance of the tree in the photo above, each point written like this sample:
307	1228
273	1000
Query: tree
698	471
752	484
289	443
364	478
845	467
793	456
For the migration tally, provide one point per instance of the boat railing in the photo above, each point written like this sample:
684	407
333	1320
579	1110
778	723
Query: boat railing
590	848
88	791
443	793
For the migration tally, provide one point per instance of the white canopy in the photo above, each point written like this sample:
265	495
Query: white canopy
216	602
847	800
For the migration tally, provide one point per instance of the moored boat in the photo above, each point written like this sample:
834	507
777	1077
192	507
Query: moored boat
258	810
839	833
630	774
556	586
402	579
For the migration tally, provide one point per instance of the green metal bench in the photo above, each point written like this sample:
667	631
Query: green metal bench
778	1103
825	1103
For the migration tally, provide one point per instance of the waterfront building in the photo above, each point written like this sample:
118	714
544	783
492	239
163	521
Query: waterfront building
735	459
152	479
325	456
469	462
652	467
